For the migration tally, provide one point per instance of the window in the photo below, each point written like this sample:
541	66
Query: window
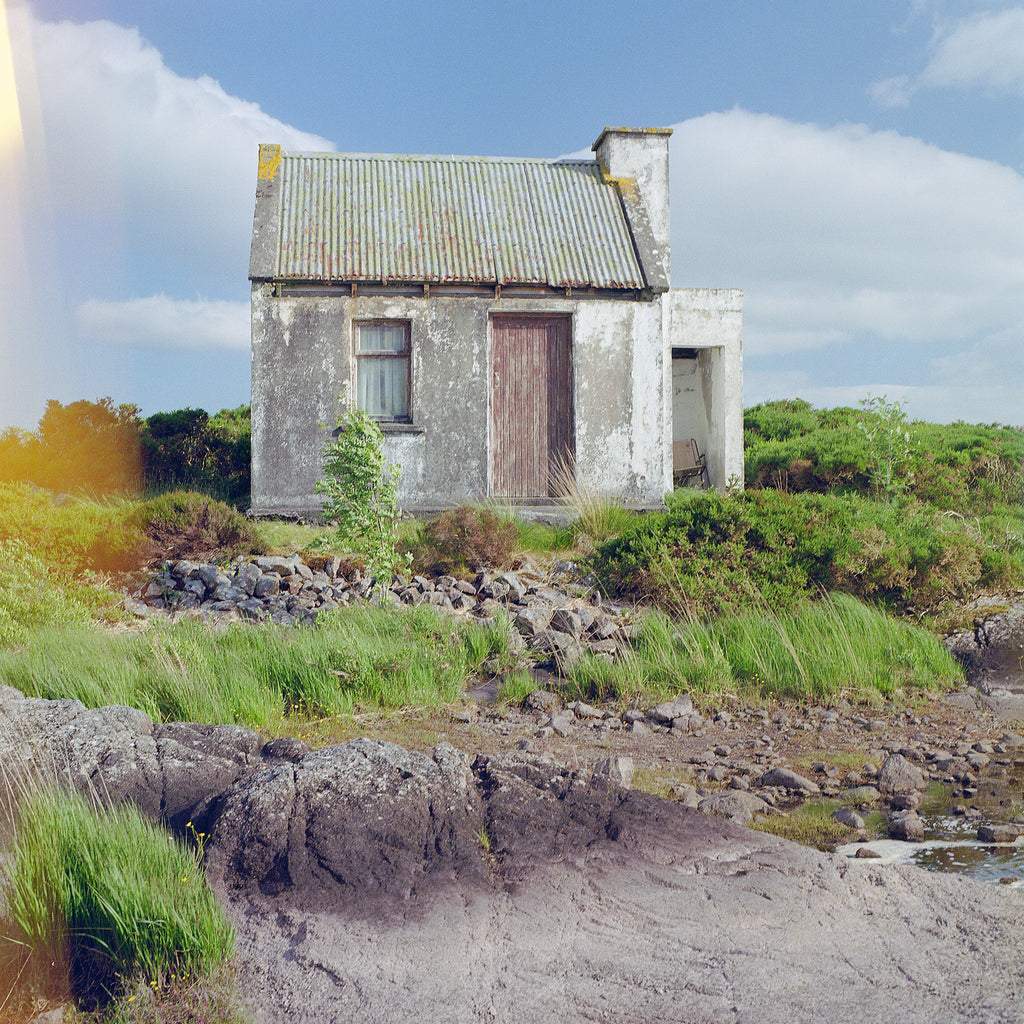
383	369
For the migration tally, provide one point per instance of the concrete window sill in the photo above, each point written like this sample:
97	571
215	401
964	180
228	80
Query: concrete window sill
401	428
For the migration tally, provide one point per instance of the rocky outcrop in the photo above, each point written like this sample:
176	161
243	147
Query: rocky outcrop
370	883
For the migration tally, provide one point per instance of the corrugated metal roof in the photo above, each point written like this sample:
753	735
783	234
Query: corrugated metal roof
347	217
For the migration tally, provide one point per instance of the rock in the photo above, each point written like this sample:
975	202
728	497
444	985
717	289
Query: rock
734	804
562	724
532	619
860	795
664	714
565	621
559	650
171	772
788	779
619	769
516	589
542	700
1000	833
583	710
848	817
322	823
340	871
906	825
905	801
898	775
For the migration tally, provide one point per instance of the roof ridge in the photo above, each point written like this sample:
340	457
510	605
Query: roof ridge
439	157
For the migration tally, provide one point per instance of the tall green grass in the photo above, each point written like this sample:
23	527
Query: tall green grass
251	675
97	899
834	646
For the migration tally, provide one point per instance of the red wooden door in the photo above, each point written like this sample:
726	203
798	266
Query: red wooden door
531	405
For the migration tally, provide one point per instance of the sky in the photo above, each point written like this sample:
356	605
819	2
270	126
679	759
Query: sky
855	166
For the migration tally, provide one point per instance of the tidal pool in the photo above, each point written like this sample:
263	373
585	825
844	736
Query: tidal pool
951	844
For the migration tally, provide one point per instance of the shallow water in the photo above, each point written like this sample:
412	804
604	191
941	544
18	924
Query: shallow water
951	844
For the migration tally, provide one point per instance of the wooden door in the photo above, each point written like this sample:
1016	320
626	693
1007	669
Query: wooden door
531	405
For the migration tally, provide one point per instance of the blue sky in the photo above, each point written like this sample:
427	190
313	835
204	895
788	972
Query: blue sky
857	167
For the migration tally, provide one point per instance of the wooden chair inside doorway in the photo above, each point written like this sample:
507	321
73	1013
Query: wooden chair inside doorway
688	463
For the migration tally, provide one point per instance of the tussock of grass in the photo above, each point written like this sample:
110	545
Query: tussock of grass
516	687
366	656
810	824
97	899
595	517
834	646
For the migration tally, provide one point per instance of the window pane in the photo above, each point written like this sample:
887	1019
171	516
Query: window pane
382	337
382	387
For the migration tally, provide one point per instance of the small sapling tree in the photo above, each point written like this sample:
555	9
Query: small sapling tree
360	494
890	444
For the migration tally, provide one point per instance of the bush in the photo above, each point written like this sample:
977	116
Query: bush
96	899
189	450
182	524
715	553
29	597
70	535
465	540
968	468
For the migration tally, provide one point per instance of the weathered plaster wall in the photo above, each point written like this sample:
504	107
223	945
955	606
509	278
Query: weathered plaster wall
711	320
297	372
618	397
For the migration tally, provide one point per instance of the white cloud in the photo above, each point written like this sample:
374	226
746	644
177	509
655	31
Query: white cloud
841	235
172	159
158	321
984	50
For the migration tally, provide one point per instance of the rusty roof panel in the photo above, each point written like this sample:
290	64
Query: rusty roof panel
347	217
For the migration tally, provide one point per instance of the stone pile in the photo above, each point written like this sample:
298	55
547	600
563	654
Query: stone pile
558	623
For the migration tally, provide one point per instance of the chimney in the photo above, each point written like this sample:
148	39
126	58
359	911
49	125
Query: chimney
640	156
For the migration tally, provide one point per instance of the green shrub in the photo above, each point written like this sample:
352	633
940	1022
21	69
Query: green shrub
968	468
463	540
30	599
70	535
711	553
189	450
96	899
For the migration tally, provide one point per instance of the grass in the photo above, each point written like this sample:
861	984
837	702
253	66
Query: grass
367	657
595	517
810	824
516	687
835	646
97	900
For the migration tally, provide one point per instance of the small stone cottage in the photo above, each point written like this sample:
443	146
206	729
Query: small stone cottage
505	322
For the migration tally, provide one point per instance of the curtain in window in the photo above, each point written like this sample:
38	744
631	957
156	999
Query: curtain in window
383	386
382	380
381	338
